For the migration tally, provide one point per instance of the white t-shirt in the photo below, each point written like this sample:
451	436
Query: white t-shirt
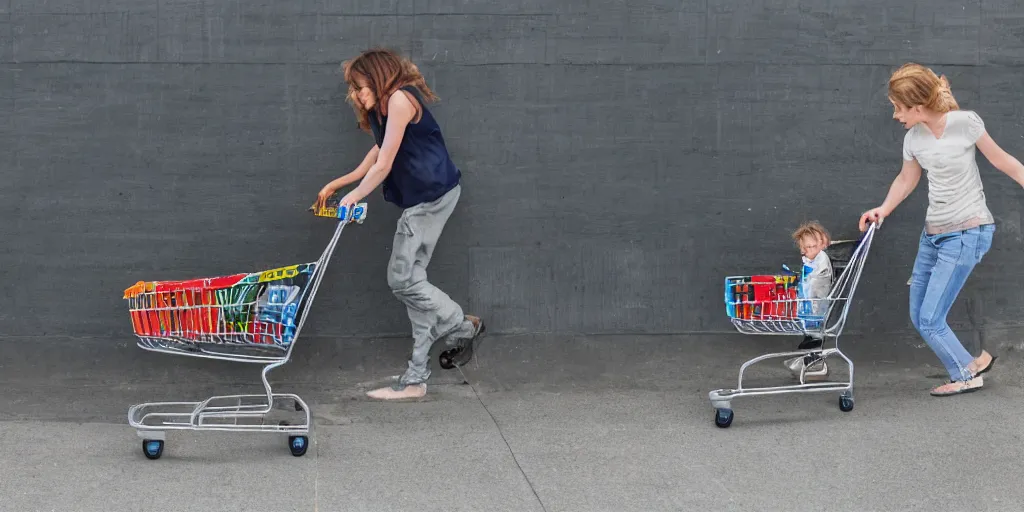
956	198
815	283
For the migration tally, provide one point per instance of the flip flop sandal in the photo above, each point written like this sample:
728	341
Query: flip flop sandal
964	388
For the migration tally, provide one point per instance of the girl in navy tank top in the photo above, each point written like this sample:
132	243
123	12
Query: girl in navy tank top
410	159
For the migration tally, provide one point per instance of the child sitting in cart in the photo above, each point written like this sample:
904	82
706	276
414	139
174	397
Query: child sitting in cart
815	283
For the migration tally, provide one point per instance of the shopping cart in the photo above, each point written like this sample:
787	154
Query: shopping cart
247	318
769	304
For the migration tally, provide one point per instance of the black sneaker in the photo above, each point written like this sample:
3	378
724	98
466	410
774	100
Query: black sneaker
810	343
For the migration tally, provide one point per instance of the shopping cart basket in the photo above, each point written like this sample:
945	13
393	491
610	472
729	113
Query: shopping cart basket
769	304
247	318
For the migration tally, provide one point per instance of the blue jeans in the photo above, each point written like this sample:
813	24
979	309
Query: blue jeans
944	262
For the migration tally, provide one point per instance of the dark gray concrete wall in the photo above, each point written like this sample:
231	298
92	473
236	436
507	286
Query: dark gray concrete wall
620	158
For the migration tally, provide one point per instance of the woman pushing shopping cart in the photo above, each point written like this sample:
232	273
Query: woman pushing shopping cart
410	159
958	227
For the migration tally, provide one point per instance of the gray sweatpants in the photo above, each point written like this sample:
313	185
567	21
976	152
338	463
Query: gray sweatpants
432	313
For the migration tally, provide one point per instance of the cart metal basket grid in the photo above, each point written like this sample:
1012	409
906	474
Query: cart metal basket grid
248	318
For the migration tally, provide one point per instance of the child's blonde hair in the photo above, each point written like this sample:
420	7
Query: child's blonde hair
813	229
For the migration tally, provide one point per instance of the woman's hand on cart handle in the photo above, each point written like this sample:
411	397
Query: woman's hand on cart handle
324	194
873	216
348	202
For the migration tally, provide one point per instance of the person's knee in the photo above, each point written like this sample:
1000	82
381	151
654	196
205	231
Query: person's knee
915	320
400	277
399	284
930	324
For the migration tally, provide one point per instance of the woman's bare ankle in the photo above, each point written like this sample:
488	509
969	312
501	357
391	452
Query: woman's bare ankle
979	363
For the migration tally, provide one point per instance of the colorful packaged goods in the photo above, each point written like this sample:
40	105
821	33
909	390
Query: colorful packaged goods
762	297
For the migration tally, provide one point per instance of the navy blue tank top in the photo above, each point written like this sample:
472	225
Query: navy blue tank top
422	171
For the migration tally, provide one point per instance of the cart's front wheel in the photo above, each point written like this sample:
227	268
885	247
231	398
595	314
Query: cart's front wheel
298	444
445	359
845	402
152	448
723	418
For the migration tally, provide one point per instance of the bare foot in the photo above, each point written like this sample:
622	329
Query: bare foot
390	393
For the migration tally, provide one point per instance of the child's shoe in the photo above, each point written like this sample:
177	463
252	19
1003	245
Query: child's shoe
817	369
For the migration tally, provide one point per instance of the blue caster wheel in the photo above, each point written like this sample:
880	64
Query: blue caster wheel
152	448
845	402
298	445
723	418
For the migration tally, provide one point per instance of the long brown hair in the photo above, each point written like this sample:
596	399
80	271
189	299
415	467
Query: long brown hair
913	84
386	71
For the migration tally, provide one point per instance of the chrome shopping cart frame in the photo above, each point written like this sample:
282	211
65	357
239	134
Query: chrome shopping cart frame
246	318
781	316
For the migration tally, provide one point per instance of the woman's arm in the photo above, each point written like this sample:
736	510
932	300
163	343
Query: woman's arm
359	172
400	112
352	177
901	187
1000	159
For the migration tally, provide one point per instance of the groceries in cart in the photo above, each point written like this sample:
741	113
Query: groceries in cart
256	308
787	296
761	297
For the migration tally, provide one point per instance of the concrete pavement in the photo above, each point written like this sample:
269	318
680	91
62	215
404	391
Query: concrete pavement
549	424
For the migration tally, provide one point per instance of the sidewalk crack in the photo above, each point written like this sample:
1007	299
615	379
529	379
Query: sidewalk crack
505	440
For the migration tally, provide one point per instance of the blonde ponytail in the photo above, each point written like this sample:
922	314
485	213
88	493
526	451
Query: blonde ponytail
942	97
913	84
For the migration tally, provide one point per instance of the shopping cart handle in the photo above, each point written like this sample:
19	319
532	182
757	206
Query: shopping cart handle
357	214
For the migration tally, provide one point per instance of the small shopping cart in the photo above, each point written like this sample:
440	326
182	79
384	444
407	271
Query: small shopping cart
770	305
247	318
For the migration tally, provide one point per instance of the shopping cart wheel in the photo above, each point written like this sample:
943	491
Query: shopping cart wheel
152	448
723	418
445	359
461	354
298	444
845	402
